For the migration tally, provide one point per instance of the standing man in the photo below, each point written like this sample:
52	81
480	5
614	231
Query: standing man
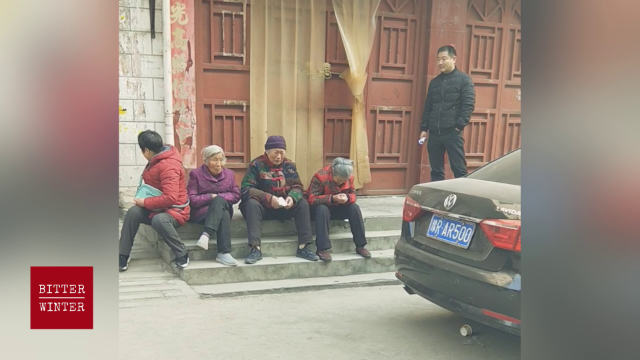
447	109
271	189
164	212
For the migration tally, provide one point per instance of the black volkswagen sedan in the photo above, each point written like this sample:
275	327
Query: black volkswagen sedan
460	243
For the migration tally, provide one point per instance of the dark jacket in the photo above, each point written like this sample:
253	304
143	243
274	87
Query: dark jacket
450	101
165	173
264	179
202	184
322	188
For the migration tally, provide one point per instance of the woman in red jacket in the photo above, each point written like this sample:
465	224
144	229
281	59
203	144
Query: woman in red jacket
164	212
332	196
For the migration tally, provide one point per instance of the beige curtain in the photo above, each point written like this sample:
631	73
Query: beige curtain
357	24
286	83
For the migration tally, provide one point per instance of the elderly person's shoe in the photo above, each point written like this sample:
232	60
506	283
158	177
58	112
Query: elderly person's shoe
324	255
363	252
306	254
226	259
255	255
203	241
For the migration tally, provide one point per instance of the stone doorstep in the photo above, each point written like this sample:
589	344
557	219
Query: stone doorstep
279	265
287	227
201	272
148	281
144	254
283	245
144	248
272	228
295	285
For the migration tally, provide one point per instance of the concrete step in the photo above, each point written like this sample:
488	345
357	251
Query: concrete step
287	227
143	267
150	281
201	272
295	285
139	254
284	245
144	248
379	213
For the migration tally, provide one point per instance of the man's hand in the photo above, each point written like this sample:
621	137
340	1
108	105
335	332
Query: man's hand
139	202
289	202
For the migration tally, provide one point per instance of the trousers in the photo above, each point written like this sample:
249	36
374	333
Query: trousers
254	212
163	223
322	215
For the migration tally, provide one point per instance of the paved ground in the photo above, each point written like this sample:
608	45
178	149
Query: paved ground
161	317
381	205
149	282
380	322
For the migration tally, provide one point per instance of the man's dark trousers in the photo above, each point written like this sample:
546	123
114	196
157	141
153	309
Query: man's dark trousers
324	213
162	222
254	212
453	143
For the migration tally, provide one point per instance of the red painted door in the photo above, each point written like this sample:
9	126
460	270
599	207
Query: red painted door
492	59
487	37
222	80
489	51
393	96
486	32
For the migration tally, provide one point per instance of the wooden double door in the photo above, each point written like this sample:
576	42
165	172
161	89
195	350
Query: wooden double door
400	66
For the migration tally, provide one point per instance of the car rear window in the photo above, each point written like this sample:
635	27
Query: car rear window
503	170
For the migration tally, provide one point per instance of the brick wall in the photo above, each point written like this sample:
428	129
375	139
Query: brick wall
141	88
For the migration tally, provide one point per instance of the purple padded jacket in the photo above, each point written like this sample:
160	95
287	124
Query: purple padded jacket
202	184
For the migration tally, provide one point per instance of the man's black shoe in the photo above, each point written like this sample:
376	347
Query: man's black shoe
182	261
124	262
255	255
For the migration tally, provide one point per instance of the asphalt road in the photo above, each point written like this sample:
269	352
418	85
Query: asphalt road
380	322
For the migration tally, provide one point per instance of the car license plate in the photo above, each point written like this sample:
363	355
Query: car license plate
451	231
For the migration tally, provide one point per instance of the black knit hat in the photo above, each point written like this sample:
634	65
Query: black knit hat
275	142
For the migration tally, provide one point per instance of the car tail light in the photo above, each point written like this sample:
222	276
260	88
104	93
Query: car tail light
411	210
503	233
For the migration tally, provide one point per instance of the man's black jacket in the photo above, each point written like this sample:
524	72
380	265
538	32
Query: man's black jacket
450	101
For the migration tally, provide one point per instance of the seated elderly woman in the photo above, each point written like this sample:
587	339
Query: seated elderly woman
271	189
212	191
332	196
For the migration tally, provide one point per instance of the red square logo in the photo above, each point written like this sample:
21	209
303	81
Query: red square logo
62	297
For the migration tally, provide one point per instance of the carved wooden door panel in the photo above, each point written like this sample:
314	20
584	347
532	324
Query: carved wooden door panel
222	81
337	97
492	59
392	96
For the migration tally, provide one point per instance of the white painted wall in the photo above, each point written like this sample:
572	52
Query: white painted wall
141	88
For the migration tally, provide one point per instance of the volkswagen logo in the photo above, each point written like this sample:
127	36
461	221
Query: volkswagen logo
449	201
